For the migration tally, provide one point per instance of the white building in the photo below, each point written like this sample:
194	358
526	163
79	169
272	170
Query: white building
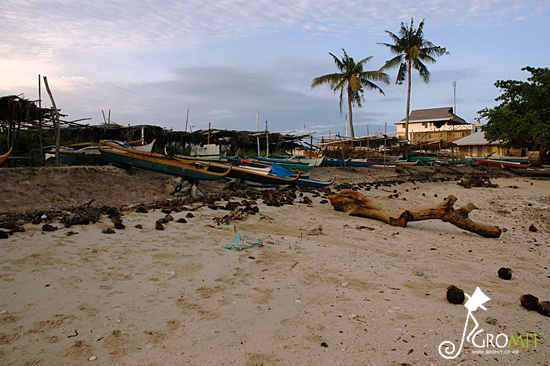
435	124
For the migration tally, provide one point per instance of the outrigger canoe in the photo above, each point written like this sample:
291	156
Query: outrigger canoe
259	175
286	163
5	156
347	162
532	172
114	152
503	163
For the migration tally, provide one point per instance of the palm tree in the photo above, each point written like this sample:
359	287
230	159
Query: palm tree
412	51
353	80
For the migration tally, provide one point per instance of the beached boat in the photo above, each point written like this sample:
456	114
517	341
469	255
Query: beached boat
5	156
396	163
285	163
114	152
69	153
347	162
532	172
315	161
313	183
503	163
260	175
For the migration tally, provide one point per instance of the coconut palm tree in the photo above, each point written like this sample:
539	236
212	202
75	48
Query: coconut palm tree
411	50
352	79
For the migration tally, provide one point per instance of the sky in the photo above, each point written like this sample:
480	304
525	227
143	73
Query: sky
242	65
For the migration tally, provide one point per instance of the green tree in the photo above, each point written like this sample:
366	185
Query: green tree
352	79
522	119
411	50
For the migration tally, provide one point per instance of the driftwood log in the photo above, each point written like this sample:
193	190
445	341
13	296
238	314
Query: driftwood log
357	204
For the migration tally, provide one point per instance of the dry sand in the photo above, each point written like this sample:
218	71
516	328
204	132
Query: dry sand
324	288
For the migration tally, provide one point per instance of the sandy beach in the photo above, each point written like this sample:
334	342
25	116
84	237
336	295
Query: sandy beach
321	288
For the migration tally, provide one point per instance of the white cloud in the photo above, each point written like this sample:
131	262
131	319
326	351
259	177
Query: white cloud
149	61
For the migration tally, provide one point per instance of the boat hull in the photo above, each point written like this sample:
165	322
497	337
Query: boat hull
532	172
503	163
190	170
253	175
347	162
285	163
5	156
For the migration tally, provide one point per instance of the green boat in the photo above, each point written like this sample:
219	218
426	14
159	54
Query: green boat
285	163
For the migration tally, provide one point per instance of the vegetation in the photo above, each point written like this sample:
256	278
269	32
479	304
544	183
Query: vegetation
352	80
522	119
411	50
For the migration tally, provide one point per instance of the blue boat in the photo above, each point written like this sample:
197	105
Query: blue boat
347	162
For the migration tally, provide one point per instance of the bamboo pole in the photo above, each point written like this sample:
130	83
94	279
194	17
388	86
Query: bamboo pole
40	135
57	122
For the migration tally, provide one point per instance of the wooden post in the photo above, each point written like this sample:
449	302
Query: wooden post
57	122
40	136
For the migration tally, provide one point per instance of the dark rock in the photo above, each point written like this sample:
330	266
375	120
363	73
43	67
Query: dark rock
455	295
3	235
544	308
159	225
107	231
505	273
529	301
48	227
141	209
532	228
119	225
182	220
18	229
139	226
189	215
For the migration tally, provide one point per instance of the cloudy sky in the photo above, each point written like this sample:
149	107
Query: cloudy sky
151	61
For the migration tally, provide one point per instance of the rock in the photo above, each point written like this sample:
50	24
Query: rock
532	228
119	225
159	225
92	358
455	295
189	215
163	220
141	209
48	227
529	301
139	226
505	273
418	272
544	308
182	220
3	235
107	231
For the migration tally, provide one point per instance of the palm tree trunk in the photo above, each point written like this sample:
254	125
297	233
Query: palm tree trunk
351	131
408	110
